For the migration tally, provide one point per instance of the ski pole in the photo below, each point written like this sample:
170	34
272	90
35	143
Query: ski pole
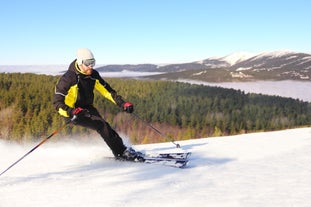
156	130
38	145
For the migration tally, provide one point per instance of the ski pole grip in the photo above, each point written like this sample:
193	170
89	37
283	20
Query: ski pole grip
73	118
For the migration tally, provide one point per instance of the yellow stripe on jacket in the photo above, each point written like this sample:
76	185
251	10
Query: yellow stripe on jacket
103	91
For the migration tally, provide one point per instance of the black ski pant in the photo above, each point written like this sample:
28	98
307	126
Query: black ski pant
93	120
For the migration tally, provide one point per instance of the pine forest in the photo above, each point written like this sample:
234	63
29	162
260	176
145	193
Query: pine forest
179	111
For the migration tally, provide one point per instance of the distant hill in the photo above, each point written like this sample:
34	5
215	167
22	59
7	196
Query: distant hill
277	65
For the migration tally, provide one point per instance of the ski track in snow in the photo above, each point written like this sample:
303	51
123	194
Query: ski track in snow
259	169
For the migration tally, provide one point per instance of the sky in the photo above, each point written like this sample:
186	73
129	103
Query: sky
142	31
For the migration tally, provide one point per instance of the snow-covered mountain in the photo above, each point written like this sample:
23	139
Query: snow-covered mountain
227	61
267	60
284	60
237	57
252	170
276	65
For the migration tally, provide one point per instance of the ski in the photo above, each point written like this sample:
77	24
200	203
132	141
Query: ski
178	163
178	160
173	159
171	155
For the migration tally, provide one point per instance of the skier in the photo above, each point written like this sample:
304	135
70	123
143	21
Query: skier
74	97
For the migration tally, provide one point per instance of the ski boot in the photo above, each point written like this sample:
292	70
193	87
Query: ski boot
130	154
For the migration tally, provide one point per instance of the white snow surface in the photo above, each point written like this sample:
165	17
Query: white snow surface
274	54
259	169
237	57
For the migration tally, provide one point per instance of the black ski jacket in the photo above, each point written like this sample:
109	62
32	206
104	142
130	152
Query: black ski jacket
75	89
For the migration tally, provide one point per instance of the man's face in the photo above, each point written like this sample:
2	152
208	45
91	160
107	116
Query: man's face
87	70
87	66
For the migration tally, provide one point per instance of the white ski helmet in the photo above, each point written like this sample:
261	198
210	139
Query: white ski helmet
84	54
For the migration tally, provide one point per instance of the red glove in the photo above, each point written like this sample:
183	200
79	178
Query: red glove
76	111
79	112
128	107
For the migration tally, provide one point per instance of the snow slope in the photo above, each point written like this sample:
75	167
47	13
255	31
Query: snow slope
259	169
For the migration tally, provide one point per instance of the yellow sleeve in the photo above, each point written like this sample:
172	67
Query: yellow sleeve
103	91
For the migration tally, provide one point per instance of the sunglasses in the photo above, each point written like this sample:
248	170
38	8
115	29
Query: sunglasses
89	62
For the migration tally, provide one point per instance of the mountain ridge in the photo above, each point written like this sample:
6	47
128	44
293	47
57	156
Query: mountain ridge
276	65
